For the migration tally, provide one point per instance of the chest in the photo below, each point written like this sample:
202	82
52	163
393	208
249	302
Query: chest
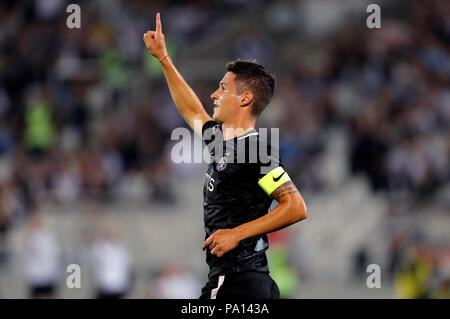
226	175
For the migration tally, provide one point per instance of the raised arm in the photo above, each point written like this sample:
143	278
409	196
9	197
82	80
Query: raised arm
183	96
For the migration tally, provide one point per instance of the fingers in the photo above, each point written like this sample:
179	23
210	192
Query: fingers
212	245
157	33
207	242
215	250
158	24
149	35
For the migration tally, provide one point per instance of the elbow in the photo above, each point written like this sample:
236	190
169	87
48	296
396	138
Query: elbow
305	214
302	213
299	211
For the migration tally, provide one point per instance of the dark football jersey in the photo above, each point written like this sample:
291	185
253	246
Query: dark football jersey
237	187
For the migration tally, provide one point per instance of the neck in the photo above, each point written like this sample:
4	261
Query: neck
236	129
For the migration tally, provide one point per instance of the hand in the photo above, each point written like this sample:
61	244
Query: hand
221	241
154	40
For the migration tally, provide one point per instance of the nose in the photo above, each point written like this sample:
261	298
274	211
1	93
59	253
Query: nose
214	95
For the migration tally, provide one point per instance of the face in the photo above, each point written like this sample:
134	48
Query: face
226	100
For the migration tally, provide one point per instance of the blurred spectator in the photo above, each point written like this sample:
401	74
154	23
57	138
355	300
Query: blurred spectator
41	258
4	228
281	268
173	281
360	262
413	276
111	265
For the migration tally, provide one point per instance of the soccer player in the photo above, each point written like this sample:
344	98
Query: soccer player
238	188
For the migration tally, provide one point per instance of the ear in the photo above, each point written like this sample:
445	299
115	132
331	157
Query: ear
246	98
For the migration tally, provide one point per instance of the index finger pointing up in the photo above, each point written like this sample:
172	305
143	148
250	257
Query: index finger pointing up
158	24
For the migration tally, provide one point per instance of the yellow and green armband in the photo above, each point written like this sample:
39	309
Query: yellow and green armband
274	179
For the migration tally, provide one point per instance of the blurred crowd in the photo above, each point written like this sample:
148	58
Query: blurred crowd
390	89
83	112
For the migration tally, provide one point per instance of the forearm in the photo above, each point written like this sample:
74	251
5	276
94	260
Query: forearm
283	215
185	99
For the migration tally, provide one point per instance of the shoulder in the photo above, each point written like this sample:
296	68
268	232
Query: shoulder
259	154
212	135
268	153
211	128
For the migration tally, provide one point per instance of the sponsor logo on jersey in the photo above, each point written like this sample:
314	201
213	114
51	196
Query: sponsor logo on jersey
209	182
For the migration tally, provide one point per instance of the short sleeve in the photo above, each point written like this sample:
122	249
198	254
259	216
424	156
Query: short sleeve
271	171
274	179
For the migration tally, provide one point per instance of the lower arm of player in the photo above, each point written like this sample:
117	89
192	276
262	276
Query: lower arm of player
185	99
283	215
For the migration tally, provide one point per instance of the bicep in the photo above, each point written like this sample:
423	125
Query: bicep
273	180
286	192
289	196
278	185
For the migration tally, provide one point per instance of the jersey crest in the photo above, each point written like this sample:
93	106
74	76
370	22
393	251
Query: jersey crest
222	163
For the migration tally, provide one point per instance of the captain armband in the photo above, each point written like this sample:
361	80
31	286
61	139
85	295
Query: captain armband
274	179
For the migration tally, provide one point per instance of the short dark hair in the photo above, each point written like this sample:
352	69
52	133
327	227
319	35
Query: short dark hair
255	78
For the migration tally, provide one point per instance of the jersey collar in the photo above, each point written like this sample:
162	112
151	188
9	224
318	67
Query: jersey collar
249	133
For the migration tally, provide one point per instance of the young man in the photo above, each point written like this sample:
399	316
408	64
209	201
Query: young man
239	184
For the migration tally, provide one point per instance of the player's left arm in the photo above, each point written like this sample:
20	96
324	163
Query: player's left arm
291	209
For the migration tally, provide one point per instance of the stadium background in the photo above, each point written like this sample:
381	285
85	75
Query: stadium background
86	119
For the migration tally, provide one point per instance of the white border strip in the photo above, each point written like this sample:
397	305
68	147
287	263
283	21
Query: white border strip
254	133
215	290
